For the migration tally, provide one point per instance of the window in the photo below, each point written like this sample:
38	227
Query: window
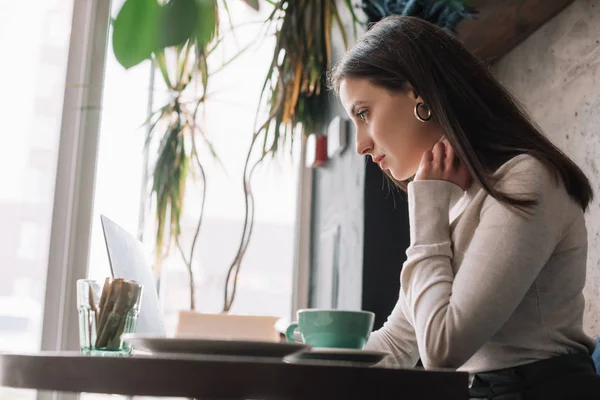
265	282
35	34
120	165
31	102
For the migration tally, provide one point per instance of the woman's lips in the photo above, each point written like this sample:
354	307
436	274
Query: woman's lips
379	160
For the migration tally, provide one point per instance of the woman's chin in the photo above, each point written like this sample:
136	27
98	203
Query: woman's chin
399	176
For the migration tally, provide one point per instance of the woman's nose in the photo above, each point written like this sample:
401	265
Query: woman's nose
364	144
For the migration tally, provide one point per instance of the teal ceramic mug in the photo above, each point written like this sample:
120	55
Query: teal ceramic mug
332	328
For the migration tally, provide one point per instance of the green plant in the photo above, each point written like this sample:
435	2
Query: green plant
444	13
177	153
178	36
294	87
293	92
143	28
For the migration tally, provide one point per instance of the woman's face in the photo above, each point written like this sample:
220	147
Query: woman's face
386	126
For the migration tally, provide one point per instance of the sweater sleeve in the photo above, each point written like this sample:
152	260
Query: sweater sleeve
396	337
454	315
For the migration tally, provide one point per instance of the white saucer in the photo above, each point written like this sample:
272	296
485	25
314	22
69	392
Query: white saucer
334	350
164	345
333	355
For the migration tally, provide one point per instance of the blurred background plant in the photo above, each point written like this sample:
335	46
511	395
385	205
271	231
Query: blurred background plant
444	13
293	93
178	36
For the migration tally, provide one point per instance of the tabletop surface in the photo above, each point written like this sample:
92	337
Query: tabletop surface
217	377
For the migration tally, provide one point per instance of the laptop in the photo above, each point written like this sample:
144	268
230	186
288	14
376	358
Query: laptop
128	260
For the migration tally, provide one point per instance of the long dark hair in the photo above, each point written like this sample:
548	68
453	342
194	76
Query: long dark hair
480	118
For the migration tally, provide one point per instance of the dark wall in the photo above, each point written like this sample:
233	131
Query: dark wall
337	232
386	237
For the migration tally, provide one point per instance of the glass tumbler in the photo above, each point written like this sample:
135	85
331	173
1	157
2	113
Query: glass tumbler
106	311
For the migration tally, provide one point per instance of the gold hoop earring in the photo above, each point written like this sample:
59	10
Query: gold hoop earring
418	116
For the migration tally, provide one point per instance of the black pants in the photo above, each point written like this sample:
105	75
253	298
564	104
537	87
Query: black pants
568	377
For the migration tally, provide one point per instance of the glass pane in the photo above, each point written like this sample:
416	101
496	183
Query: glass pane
265	282
35	37
120	165
17	394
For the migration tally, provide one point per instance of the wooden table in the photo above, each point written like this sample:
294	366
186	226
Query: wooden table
223	377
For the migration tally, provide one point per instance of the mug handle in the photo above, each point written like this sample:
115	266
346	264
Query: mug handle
289	332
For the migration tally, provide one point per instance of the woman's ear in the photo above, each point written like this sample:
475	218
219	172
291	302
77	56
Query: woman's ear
417	99
412	93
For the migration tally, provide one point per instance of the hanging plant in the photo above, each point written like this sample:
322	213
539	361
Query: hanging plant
294	93
294	88
176	125
178	36
444	13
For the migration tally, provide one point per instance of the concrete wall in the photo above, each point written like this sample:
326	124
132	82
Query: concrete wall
555	73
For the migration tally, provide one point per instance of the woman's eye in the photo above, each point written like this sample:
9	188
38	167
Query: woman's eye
362	115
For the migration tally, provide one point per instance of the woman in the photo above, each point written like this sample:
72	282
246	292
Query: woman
494	273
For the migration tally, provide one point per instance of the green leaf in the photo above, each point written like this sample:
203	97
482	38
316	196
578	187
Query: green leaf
135	31
177	23
206	21
143	27
253	3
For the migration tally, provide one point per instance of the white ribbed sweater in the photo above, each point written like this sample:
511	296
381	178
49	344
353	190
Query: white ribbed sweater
485	287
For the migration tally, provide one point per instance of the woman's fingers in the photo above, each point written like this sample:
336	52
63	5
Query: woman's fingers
441	163
427	161
439	156
424	166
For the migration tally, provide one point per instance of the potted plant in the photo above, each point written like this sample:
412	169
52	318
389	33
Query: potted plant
294	94
178	37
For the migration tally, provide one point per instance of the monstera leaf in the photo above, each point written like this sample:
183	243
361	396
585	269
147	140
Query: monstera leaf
143	27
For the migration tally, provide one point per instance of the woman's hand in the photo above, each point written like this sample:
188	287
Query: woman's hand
441	164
